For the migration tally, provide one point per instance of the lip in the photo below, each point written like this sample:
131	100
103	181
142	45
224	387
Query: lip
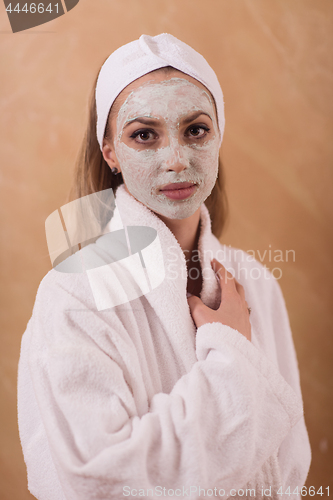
176	185
178	190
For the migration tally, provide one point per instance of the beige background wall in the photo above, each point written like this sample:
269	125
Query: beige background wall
274	61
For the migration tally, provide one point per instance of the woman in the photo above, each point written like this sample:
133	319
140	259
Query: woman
176	392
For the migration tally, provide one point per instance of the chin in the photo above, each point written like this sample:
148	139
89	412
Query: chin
179	213
180	210
171	209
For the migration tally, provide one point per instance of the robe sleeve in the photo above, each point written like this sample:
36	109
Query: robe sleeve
294	454
216	428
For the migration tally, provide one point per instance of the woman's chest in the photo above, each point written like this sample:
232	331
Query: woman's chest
155	349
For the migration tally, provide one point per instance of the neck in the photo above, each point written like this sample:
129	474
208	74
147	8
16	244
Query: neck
186	231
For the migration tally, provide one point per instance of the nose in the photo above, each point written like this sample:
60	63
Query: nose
176	159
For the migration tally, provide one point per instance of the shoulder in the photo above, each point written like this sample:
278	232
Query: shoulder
66	288
68	282
63	289
62	300
65	318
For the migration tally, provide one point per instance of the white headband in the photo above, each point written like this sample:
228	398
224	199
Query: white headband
142	56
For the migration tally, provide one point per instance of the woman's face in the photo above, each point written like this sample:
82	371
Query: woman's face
166	143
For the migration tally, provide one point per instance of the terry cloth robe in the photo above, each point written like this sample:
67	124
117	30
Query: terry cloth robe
129	400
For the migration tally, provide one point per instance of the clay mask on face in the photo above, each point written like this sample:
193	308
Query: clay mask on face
182	157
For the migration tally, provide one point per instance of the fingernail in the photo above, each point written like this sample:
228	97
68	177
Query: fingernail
188	294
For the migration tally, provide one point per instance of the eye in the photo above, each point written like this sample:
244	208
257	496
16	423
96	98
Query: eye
144	135
197	131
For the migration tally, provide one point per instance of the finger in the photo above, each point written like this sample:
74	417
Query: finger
197	309
221	271
226	279
240	289
194	302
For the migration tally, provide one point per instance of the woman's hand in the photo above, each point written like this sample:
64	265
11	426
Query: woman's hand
233	310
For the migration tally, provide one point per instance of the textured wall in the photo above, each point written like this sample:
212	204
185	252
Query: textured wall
274	61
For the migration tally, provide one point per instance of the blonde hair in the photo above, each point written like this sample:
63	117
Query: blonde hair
92	173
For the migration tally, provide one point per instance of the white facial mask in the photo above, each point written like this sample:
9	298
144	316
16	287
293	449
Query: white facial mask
145	170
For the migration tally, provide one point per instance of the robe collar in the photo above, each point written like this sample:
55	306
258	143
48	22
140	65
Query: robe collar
131	212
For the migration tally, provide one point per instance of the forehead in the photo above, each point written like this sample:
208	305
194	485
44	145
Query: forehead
157	76
176	96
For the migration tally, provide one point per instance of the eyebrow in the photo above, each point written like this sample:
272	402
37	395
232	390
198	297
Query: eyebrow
194	116
151	121
141	119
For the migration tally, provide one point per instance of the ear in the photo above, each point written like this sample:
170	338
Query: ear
110	156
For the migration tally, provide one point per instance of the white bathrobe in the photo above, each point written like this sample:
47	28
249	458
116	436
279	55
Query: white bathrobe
135	401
